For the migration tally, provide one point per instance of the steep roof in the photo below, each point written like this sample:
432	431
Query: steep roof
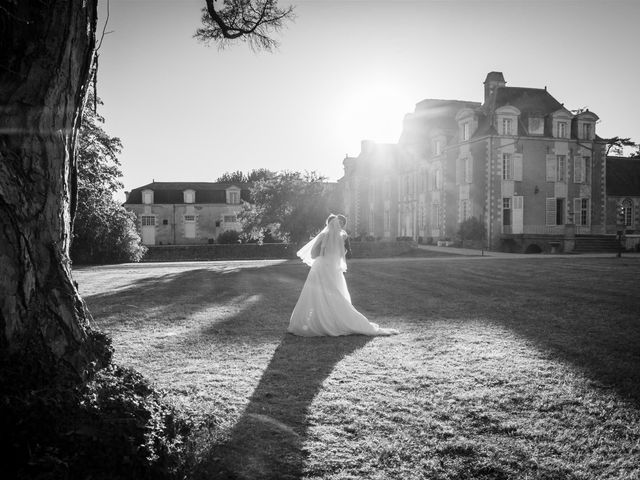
173	192
431	114
527	100
623	176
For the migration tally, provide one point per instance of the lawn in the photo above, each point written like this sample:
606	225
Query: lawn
524	368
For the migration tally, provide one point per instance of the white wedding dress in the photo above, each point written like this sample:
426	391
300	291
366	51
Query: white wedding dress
324	307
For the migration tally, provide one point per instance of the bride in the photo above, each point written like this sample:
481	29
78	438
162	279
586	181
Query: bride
324	306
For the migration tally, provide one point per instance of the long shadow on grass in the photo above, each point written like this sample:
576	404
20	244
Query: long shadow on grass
267	441
224	296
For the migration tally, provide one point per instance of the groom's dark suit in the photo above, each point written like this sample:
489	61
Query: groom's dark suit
347	247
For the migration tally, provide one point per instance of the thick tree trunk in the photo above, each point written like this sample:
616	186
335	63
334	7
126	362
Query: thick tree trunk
46	49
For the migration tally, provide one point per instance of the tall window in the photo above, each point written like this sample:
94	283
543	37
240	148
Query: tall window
555	211
506	211
437	147
464	170
234	197
435	215
582	170
559	211
583	211
561	169
586	131
437	180
372	219
147	197
387	220
627	206
466	131
561	130
507	126
465	210
507	166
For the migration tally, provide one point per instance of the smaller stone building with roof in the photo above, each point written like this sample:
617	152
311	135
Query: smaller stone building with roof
184	213
623	195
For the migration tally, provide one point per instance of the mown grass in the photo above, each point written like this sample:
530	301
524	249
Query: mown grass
505	368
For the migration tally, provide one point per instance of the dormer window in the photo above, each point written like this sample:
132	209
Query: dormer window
507	120
507	126
147	197
586	123
561	122
438	142
233	195
561	130
189	196
467	123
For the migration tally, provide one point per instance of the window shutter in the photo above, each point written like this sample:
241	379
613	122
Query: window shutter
578	169
517	167
550	211
551	168
577	210
517	220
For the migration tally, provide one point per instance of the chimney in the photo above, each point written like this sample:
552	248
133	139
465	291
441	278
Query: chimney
491	84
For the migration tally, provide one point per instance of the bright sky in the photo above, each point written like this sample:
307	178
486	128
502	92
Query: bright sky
346	70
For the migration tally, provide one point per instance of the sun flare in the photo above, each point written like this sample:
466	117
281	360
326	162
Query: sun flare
374	112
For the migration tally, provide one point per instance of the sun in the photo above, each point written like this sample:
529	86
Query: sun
374	111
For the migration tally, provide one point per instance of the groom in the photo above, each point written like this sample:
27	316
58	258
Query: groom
347	244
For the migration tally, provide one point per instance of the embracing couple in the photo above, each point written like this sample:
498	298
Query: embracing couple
324	307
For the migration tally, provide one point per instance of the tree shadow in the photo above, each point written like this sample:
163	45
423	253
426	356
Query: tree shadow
247	306
267	441
205	301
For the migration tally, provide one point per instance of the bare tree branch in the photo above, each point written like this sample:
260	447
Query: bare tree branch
251	21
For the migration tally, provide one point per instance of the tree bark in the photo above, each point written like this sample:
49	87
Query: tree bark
46	50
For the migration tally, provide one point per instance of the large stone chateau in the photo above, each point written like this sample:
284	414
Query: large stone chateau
531	170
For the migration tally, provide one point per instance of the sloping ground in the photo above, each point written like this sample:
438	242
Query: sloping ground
505	368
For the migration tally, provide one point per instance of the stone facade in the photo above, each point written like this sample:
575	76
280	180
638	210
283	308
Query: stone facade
521	163
186	213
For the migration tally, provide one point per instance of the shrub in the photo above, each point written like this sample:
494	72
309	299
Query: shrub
115	426
229	236
105	232
472	230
